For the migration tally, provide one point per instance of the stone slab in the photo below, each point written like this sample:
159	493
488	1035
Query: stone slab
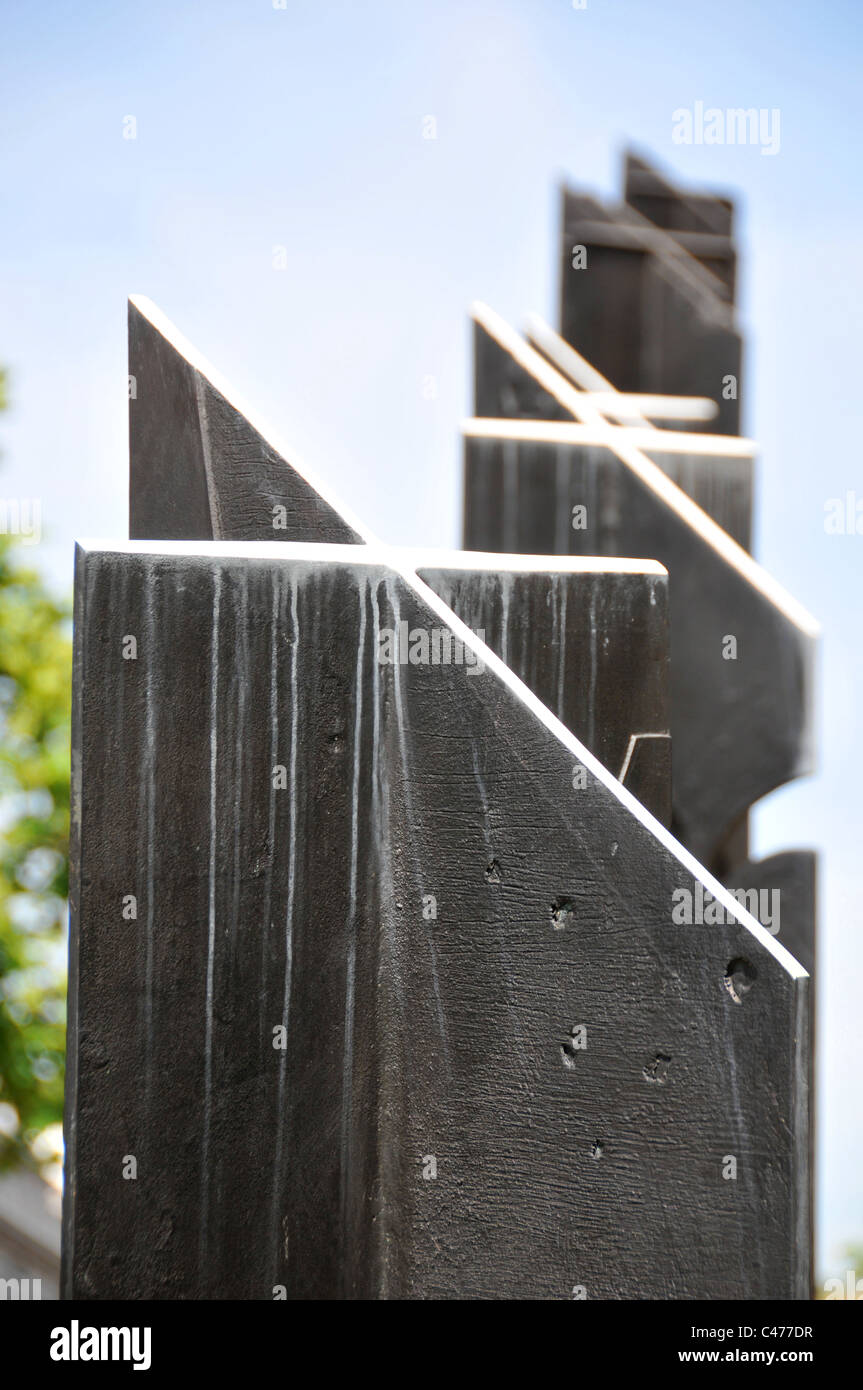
199	467
590	642
740	726
433	910
645	312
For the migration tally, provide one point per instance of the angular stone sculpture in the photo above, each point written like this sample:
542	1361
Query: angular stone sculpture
200	465
382	985
590	638
407	1006
644	310
716	471
740	723
617	314
701	223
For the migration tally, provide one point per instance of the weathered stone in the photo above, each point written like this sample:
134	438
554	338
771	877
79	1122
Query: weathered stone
513	381
787	882
503	388
720	484
701	223
644	311
433	911
716	471
719	481
199	467
407	1141
786	887
589	638
741	667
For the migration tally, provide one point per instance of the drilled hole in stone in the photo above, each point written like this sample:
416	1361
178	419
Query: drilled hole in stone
657	1070
492	872
568	1050
336	742
740	976
562	913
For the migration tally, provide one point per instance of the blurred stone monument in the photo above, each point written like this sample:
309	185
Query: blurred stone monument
388	979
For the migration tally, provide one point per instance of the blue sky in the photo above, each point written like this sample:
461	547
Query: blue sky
302	127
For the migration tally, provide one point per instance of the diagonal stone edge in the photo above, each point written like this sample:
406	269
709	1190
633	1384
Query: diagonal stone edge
650	473
793	1016
626	226
385	557
189	354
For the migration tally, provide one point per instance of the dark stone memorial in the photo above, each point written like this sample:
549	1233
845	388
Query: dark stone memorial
590	637
413	1005
590	640
652	306
387	978
742	649
647	306
199	467
701	223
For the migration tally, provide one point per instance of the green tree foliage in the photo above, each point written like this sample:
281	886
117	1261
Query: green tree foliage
35	671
